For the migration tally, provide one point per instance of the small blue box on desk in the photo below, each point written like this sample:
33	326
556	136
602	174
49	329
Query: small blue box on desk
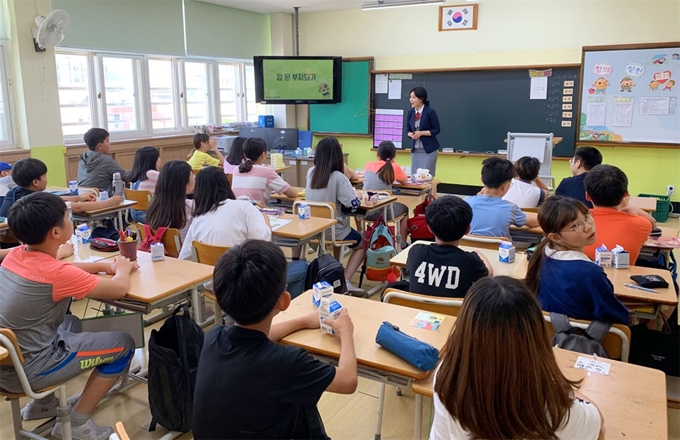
266	121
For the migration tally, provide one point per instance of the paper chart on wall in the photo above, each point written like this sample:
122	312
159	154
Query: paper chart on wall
394	89
622	112
388	126
381	83
654	105
597	112
539	88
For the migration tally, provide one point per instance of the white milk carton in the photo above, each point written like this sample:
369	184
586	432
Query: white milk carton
83	233
506	253
304	211
603	256
620	258
320	290
157	251
328	309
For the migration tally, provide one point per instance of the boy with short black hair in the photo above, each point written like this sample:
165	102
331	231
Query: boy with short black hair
617	223
269	390
442	268
203	143
96	167
585	159
34	304
493	215
31	176
527	190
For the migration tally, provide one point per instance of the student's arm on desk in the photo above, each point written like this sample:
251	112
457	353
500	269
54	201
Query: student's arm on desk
532	219
291	192
581	396
486	262
64	251
116	287
80	207
637	211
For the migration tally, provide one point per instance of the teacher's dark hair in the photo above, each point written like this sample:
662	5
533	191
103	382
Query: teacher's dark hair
421	94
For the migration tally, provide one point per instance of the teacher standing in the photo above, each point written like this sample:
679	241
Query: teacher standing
423	127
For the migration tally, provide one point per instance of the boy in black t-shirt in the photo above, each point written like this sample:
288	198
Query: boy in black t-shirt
442	268
247	385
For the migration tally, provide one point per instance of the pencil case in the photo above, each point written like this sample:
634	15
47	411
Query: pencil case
416	352
649	281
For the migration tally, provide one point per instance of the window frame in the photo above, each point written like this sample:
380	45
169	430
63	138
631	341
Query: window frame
8	93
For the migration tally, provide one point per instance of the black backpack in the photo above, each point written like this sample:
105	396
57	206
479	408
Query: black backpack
174	351
326	268
570	338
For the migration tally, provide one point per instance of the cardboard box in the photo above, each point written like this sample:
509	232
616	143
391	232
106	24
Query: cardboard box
506	253
603	256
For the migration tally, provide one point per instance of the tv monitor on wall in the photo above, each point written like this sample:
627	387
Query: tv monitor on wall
298	80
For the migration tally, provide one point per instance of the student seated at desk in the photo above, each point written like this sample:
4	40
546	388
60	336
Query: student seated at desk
327	183
235	156
527	190
6	182
221	220
95	167
565	280
169	205
200	157
64	251
379	175
256	181
144	175
500	333
585	158
247	385
493	215
617	223
34	308
442	268
31	176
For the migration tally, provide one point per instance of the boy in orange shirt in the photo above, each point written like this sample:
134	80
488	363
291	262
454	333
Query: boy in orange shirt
617	223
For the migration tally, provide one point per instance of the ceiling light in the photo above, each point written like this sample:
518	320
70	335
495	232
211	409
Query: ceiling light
384	4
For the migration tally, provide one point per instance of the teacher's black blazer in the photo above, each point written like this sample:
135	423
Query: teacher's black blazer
428	121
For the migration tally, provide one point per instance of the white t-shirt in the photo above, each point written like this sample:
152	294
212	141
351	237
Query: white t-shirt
229	225
584	422
524	195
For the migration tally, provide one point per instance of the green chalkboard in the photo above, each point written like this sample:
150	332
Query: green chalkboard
352	115
477	108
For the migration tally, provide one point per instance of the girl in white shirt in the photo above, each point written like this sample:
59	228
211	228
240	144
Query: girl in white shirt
527	190
499	378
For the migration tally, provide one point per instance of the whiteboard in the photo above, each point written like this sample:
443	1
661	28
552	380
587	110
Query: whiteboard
630	95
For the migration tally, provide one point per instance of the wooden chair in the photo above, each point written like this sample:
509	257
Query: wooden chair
119	432
532	209
324	210
616	343
230	178
482	242
171	240
15	359
436	304
143	198
209	254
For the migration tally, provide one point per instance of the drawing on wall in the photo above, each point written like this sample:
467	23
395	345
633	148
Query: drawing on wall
630	95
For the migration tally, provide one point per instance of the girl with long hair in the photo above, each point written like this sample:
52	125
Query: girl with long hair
221	220
499	379
254	180
380	175
327	183
565	280
235	156
169	205
144	175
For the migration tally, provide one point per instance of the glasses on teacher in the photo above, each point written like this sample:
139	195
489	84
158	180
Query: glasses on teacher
580	226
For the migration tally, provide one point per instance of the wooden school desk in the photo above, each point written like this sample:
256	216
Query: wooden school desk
300	231
373	361
158	284
632	399
100	214
3	227
645	203
82	253
417	189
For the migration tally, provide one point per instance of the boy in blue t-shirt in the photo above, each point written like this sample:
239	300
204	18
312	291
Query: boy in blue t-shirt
585	158
493	215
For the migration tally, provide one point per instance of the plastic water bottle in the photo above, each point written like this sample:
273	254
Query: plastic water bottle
117	185
298	152
70	212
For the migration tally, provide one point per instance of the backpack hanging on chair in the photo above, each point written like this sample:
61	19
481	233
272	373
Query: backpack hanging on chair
588	341
417	226
379	252
150	238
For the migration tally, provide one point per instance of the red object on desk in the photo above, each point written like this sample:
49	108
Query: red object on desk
663	242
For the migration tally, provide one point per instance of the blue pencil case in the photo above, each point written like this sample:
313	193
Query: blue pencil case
416	352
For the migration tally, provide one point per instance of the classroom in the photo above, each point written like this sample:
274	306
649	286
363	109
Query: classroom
153	72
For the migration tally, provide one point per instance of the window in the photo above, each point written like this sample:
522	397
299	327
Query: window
163	100
6	126
140	95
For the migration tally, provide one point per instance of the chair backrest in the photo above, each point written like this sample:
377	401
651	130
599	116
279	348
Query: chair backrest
172	242
207	253
230	178
479	241
532	209
436	304
616	343
119	429
143	198
318	209
8	340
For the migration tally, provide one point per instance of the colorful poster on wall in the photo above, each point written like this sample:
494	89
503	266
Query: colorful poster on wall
630	95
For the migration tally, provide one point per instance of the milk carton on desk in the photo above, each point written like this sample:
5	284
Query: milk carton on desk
603	256
506	253
620	258
322	289
328	309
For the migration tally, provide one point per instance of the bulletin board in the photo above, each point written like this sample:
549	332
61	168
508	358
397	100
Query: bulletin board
629	94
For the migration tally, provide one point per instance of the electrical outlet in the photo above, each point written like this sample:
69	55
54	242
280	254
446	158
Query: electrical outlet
670	190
